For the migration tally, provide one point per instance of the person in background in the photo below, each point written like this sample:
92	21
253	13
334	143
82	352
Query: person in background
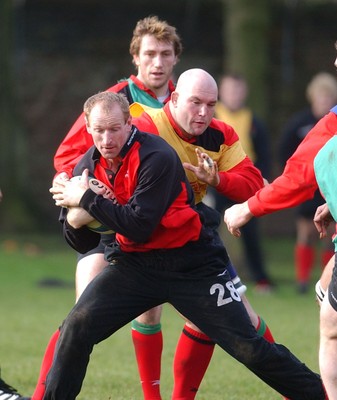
325	165
321	94
232	108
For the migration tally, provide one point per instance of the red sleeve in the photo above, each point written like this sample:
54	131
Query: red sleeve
241	181
297	182
73	146
76	142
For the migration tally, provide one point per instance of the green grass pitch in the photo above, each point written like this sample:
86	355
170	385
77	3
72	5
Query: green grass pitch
31	312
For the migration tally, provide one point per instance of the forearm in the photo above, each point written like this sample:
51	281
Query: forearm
282	193
82	239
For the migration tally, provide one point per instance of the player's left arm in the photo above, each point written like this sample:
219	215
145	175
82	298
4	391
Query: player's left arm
157	174
239	179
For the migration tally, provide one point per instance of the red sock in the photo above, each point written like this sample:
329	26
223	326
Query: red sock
45	367
148	349
192	357
263	330
326	255
304	260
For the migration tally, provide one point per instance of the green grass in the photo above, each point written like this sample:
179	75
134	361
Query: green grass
30	313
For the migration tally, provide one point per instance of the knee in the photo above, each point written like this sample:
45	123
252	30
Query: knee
192	326
327	331
150	317
328	321
75	325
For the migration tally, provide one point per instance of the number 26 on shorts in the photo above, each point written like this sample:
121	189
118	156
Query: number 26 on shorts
225	294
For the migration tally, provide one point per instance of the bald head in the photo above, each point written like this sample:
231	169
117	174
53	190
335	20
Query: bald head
197	79
192	103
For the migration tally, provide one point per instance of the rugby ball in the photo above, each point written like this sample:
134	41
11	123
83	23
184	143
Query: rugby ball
100	188
208	164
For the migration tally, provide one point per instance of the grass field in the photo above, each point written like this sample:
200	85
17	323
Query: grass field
31	311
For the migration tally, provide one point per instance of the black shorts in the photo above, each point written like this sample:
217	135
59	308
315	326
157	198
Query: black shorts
308	208
105	240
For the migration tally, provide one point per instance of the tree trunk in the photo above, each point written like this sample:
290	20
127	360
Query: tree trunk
246	39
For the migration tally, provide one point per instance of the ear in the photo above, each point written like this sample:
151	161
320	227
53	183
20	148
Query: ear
129	120
136	60
174	98
87	125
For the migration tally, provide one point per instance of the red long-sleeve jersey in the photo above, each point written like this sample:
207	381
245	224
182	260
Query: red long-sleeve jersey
297	182
155	204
